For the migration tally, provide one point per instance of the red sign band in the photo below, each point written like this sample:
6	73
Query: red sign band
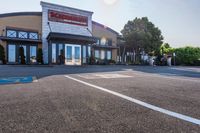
67	18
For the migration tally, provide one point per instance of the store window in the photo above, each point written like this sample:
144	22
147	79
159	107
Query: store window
33	54
103	41
109	42
109	55
96	54
53	53
69	53
77	54
89	51
22	34
33	35
84	54
11	33
102	54
98	41
11	53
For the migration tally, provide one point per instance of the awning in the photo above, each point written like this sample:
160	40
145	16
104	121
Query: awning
19	39
70	38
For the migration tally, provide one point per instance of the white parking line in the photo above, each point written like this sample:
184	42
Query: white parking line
104	76
147	105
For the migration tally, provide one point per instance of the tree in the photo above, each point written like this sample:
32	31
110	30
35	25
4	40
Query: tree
40	56
22	56
142	34
166	49
2	54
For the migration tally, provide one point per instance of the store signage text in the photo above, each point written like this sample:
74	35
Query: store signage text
67	18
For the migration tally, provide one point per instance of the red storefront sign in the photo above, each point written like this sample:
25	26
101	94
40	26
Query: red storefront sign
67	18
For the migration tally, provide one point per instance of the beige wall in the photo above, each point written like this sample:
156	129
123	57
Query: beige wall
24	22
33	23
114	54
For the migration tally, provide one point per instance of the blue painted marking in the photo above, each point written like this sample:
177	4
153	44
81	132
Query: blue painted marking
15	80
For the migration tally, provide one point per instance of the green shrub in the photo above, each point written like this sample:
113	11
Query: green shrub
187	56
2	54
91	60
112	62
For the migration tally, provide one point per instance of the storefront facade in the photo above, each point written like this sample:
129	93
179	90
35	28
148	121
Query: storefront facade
66	35
105	48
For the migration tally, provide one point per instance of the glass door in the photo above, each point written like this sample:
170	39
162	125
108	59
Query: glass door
72	54
77	55
68	55
11	53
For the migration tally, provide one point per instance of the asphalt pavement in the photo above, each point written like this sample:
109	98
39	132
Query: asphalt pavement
58	104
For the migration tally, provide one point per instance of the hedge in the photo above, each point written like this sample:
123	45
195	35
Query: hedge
188	56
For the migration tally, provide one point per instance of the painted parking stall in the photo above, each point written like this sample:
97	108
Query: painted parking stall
17	80
100	76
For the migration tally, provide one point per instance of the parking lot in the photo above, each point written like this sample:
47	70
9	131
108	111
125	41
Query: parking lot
112	99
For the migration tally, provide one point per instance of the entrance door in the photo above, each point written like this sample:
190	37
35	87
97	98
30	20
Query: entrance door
72	54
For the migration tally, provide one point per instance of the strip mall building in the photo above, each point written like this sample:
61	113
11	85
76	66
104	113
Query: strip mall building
58	30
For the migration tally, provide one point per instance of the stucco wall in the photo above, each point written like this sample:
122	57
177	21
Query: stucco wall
26	22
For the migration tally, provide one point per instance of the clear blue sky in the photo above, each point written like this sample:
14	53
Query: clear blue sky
179	20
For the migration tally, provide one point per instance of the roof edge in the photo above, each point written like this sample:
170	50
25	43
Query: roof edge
108	28
52	4
21	14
